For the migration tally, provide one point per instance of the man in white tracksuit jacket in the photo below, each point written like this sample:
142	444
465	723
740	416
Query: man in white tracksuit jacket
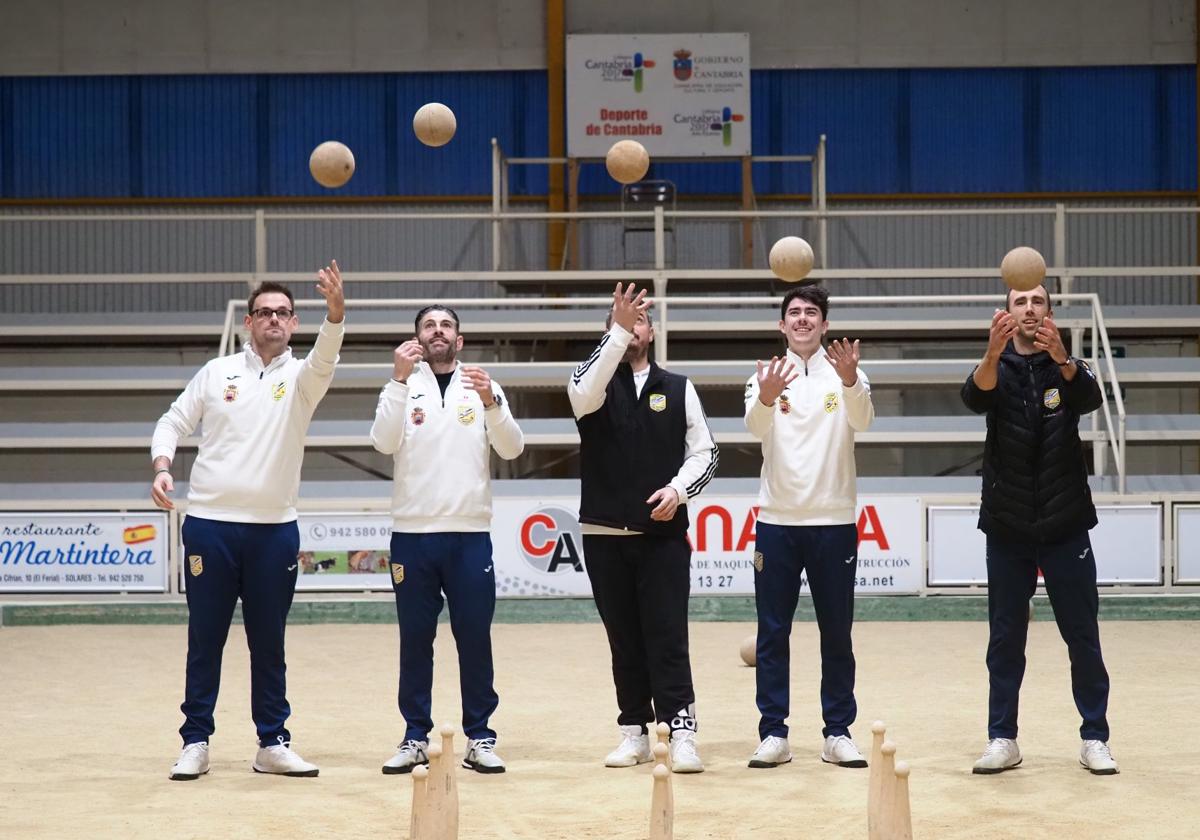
805	408
240	538
439	419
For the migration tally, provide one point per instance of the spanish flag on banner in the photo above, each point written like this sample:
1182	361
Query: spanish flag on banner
140	534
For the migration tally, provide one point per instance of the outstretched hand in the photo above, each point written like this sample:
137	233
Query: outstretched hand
844	357
773	378
329	284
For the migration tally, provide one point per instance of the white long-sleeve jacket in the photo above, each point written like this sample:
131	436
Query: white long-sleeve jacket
808	471
442	476
253	422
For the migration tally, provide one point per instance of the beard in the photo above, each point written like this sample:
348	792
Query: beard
634	353
443	354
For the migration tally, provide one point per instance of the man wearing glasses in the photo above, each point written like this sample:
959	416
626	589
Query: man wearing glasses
240	537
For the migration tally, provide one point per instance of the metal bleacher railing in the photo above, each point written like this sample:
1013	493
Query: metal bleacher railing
512	312
747	314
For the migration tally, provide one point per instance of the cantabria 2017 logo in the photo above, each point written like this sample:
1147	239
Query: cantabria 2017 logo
639	63
709	121
725	126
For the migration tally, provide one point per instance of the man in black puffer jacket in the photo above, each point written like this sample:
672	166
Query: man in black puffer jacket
1036	512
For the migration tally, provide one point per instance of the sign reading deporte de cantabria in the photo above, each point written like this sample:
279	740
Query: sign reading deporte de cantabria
682	95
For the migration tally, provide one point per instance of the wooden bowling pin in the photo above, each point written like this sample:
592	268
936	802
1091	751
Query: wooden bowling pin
875	786
662	808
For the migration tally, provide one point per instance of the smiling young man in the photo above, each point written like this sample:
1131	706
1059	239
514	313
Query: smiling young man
1036	512
240	538
805	408
440	419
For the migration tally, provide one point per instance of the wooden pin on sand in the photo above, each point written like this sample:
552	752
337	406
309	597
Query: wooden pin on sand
419	827
902	813
664	738
875	786
441	795
446	778
887	791
662	806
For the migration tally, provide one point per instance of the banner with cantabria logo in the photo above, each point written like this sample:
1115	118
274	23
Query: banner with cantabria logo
678	95
83	552
538	547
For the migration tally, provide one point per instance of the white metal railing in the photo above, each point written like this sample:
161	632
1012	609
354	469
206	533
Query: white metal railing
500	193
1101	350
566	278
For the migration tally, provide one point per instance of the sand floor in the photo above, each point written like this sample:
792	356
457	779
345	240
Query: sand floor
90	713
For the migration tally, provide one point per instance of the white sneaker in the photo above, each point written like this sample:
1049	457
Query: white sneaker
1094	755
1001	754
408	755
840	750
684	758
481	756
192	763
280	760
634	748
772	752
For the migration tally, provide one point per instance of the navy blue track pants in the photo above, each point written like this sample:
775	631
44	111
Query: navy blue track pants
225	561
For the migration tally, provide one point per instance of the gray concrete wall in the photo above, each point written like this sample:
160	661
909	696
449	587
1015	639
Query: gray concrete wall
86	37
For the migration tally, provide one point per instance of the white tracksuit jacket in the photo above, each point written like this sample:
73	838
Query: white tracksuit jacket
254	420
808	471
440	451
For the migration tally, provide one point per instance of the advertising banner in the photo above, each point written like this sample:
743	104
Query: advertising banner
1127	542
1187	543
677	95
83	552
344	551
538	547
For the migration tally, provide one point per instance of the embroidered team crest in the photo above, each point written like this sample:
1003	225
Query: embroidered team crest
418	416
466	414
831	402
195	564
397	573
230	394
278	392
1051	399
785	406
658	402
758	561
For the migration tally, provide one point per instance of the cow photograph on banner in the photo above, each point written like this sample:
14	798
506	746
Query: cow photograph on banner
678	95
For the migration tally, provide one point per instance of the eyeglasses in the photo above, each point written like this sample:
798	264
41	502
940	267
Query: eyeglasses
265	314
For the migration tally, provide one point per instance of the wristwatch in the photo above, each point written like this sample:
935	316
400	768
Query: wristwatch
497	401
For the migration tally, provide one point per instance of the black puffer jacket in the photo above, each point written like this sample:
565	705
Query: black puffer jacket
1034	474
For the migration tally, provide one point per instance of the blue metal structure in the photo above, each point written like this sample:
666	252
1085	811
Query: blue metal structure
953	131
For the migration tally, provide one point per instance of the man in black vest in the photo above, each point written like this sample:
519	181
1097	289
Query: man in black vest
1036	512
645	450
